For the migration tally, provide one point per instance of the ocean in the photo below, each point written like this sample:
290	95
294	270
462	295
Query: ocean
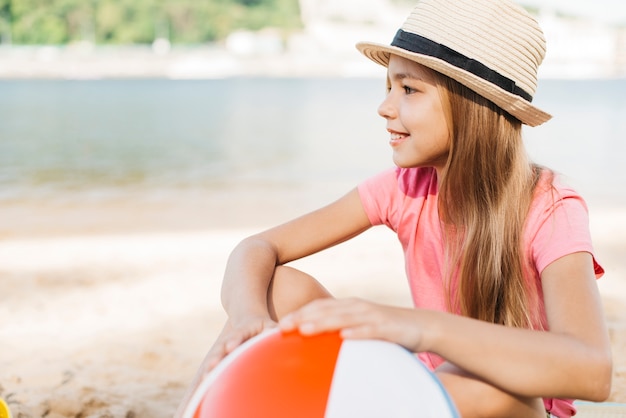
115	137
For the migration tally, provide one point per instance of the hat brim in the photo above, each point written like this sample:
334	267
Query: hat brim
513	104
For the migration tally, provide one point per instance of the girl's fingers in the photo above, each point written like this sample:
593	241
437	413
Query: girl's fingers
358	319
288	323
329	315
233	336
233	343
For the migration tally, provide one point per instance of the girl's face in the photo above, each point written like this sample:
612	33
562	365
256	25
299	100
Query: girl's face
415	116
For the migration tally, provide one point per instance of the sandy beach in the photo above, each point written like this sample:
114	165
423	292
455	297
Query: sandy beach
107	307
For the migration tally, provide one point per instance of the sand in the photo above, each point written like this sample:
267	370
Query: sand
107	307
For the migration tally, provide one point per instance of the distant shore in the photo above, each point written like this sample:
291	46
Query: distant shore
85	61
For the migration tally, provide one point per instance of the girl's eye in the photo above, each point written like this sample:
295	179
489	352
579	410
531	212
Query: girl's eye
409	90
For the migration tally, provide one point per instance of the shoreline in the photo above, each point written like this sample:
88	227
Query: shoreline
230	207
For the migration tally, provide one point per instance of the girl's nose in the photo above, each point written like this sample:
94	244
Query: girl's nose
386	109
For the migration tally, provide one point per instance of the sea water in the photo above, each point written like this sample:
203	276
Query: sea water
59	137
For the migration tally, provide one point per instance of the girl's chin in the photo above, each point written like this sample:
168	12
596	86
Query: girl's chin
403	160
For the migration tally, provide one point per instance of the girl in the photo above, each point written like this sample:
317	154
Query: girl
498	253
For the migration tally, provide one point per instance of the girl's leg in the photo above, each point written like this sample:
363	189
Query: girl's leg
291	289
475	398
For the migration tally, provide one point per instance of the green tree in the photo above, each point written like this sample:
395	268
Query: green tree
5	21
125	21
37	22
139	21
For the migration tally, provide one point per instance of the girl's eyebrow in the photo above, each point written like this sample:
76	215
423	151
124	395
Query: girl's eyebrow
402	76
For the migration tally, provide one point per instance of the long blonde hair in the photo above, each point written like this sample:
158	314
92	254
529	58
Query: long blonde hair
485	193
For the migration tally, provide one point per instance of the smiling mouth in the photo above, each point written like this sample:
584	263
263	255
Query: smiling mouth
397	138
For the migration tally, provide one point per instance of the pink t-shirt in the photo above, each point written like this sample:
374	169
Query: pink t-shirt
406	201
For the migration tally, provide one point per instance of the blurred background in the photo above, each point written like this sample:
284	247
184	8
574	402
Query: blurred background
151	99
141	139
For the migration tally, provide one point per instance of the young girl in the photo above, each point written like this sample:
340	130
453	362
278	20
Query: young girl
498	253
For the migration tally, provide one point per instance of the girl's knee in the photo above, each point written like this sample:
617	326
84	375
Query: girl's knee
291	289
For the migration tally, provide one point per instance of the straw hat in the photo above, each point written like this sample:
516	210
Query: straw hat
494	47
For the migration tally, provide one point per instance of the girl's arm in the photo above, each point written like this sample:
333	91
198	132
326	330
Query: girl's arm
571	360
252	263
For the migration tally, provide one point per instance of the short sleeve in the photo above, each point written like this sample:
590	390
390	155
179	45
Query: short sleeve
377	196
559	226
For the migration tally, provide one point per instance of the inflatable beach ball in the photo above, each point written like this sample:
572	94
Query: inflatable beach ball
287	375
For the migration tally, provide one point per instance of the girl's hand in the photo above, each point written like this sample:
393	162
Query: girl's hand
235	333
359	319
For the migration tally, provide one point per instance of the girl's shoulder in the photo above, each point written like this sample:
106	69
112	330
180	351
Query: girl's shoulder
552	191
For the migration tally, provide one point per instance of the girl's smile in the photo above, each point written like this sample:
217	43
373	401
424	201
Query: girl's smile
397	138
